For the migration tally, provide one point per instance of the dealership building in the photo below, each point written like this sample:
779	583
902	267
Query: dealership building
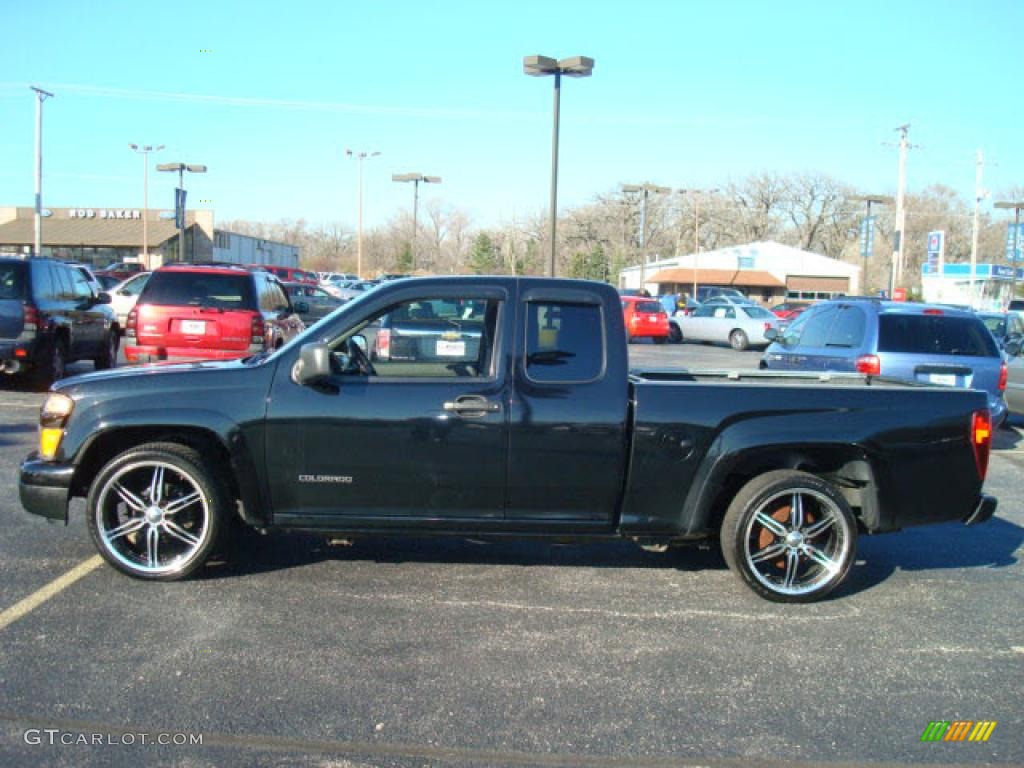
102	236
767	271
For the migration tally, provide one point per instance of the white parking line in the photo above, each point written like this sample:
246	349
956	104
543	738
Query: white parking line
40	596
20	405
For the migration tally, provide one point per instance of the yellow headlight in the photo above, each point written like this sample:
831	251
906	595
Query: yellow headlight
49	442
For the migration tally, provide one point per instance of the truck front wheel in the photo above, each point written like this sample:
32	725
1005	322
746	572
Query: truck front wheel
155	511
790	536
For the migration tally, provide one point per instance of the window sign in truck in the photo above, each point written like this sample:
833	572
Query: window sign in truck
503	407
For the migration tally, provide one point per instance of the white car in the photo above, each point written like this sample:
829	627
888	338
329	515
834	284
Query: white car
124	295
738	325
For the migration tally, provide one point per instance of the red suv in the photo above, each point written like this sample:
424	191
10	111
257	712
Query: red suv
190	312
288	274
644	317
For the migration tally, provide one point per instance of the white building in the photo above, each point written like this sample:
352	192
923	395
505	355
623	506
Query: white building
767	271
245	249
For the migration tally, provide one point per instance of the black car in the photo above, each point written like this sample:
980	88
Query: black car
51	316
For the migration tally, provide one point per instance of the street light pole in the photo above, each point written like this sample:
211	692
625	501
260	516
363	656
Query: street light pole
979	195
1016	205
179	199
696	230
144	151
360	156
415	178
575	66
645	191
41	96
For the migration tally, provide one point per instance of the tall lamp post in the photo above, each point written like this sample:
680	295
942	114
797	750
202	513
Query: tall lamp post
415	178
539	66
1016	205
179	198
144	150
360	156
696	229
41	96
867	237
645	190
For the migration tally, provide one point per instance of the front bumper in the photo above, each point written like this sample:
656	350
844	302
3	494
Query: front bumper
44	487
985	509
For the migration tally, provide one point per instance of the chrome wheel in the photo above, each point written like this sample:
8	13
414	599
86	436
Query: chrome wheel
797	541
790	536
152	517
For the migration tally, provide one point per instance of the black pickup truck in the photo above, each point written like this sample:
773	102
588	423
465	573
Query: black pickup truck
519	418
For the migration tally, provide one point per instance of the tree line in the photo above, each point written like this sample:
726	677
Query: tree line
811	211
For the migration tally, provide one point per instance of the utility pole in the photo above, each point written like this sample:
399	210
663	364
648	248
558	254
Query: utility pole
41	96
896	276
360	156
979	195
645	190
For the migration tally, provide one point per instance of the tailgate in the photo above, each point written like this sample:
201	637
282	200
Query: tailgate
196	327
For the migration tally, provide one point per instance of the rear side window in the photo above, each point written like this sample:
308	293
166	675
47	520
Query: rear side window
42	284
935	335
814	331
847	330
564	342
199	289
758	313
651	307
12	281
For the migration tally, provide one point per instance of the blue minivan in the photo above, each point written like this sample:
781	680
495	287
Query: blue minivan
930	344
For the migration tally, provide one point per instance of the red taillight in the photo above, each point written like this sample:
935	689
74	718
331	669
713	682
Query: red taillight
131	323
382	345
869	364
29	323
767	325
257	330
933	312
1004	374
981	440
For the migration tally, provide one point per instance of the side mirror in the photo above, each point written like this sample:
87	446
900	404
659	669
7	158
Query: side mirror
314	363
772	334
301	307
103	297
1013	347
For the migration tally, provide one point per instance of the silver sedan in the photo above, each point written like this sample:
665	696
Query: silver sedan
739	326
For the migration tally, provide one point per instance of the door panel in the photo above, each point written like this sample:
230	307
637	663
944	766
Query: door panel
424	437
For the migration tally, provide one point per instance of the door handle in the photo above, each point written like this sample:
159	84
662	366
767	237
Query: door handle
472	405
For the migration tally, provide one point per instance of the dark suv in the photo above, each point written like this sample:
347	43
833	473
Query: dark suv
191	312
925	343
50	316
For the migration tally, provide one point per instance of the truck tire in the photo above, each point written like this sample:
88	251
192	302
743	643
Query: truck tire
107	357
155	511
790	536
52	367
738	340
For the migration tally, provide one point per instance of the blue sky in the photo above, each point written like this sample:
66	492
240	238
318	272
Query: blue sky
683	94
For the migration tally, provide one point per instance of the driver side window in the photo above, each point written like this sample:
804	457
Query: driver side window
424	338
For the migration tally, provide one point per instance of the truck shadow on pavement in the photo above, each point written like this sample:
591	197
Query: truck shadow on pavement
993	544
251	554
951	546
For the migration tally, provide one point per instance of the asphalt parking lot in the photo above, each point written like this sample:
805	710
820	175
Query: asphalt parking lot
293	650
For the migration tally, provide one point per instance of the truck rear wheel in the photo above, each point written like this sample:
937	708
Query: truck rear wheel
155	512
790	536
